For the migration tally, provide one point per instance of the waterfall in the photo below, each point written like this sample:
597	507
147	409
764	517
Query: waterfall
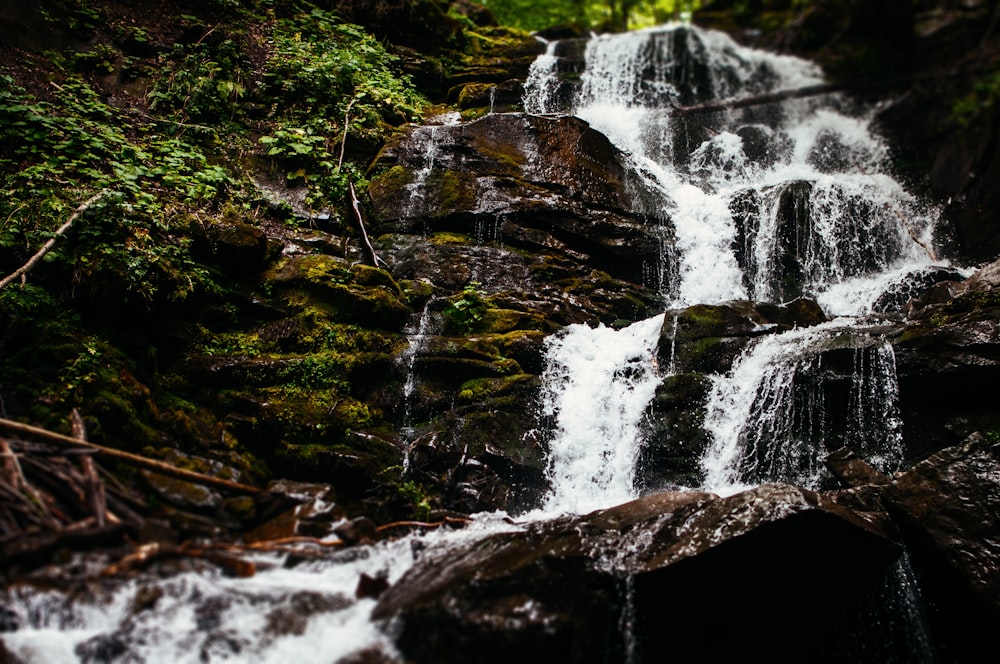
766	203
768	417
597	384
417	334
427	136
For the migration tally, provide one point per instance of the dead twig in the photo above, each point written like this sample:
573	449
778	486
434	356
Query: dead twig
47	247
373	258
422	524
161	467
93	485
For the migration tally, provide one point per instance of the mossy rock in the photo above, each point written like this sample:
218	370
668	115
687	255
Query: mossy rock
456	370
444	237
354	468
366	275
454	192
708	354
501	321
318	269
480	389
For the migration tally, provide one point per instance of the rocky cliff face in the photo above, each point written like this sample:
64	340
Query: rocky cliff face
410	382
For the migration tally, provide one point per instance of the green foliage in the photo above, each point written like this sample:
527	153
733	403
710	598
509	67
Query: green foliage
335	83
982	98
201	83
55	155
466	313
616	14
418	495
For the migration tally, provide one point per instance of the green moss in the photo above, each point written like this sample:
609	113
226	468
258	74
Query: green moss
349	414
457	190
506	155
501	321
480	389
450	238
366	275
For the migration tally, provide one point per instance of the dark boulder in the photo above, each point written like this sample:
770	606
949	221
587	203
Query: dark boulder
538	183
676	439
898	296
949	507
655	572
707	338
945	354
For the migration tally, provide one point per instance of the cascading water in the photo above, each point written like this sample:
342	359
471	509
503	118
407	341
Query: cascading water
766	203
417	334
729	180
597	384
762	203
768	416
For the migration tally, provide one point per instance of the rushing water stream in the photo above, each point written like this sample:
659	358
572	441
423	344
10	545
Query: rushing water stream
738	191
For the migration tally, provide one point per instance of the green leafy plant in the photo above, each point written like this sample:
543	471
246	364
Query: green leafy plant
201	83
983	96
465	313
418	496
336	84
56	154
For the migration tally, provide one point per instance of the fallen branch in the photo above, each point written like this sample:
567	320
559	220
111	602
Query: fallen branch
422	524
146	554
47	247
758	100
126	457
373	258
94	487
343	139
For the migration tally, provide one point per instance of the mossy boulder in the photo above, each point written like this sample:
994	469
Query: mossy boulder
676	440
362	295
707	338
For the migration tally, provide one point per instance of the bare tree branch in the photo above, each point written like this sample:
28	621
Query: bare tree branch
47	436
373	258
47	247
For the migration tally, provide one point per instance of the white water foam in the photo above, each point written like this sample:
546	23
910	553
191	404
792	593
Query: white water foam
862	225
596	386
303	613
766	416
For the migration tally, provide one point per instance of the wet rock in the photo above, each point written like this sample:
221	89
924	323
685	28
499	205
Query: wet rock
677	440
952	499
186	495
234	245
372	296
949	509
543	183
662	563
763	146
949	349
898	296
9	620
793	234
281	495
707	338
357	531
371	586
482	455
853	471
101	649
292	614
297	509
